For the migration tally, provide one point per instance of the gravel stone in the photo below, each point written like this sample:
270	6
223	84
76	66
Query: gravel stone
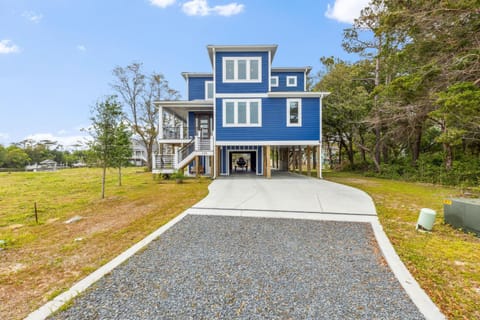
211	267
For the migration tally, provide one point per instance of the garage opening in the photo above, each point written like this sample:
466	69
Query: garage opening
243	162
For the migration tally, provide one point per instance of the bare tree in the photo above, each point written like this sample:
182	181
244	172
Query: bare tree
138	92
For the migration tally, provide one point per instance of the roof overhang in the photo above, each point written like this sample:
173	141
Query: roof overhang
180	108
299	94
272	48
306	69
187	75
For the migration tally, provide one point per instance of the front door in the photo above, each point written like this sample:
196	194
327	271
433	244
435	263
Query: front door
204	125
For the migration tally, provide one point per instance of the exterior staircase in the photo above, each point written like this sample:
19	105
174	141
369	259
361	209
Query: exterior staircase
168	163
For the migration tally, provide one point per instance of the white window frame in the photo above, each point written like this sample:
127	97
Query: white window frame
299	124
235	69
235	113
277	80
206	90
294	82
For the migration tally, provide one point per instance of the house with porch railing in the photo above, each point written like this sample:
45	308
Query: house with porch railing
245	116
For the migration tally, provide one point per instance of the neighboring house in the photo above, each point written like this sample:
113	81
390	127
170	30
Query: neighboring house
139	153
244	116
45	165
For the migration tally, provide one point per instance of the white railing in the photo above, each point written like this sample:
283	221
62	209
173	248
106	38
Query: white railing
203	144
164	161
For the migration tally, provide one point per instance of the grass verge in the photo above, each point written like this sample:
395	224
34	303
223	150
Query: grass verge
38	261
445	262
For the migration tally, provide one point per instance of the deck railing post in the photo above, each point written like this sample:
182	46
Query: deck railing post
175	158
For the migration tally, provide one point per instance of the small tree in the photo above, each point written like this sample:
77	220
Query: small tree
106	121
123	149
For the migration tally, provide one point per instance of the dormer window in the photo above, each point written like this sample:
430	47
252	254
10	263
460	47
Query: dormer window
242	69
291	81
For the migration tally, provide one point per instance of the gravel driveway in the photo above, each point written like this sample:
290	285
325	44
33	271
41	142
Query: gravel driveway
208	267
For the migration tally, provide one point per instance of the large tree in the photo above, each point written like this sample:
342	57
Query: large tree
139	91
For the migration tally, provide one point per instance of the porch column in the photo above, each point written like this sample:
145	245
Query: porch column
319	162
181	130
160	123
309	162
197	166
210	163
217	162
300	160
267	158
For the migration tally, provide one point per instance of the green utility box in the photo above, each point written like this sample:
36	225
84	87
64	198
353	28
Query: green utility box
463	213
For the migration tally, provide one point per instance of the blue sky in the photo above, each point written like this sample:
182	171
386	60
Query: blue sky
57	56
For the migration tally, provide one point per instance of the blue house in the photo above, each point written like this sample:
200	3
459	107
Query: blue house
245	116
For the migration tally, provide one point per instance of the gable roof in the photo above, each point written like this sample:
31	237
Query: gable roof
272	48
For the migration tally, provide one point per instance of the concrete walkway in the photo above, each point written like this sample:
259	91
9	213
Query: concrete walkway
288	247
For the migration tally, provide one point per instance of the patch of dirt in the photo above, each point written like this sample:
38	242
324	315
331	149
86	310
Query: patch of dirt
57	260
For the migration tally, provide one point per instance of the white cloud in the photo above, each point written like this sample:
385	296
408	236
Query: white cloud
81	48
7	46
229	9
162	3
32	16
345	10
201	8
196	8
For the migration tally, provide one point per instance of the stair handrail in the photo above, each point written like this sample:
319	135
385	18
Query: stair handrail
186	150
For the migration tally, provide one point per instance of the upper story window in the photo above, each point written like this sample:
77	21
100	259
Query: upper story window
242	113
274	81
294	112
291	81
208	90
242	69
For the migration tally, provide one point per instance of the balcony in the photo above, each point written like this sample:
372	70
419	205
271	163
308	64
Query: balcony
174	134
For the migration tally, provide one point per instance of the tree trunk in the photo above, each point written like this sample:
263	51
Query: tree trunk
103	180
119	176
416	144
448	156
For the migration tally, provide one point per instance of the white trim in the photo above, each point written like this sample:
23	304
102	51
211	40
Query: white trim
290	78
247	71
277	82
269	71
267	143
241	95
305	81
214	128
235	114
299	124
297	94
188	86
292	69
206	90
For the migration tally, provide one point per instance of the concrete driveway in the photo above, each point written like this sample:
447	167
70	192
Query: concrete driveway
286	192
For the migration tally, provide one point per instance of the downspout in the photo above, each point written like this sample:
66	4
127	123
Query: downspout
215	160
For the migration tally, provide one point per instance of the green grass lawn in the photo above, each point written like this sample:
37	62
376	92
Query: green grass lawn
39	261
445	262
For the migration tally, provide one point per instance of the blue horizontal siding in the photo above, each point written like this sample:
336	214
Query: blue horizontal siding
196	87
274	123
191	124
221	87
282	81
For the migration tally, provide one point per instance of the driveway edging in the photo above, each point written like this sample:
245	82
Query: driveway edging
53	305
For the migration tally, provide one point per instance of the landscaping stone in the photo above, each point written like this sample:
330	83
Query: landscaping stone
74	219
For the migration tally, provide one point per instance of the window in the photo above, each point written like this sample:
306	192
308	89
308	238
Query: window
246	69
294	112
291	81
274	81
208	90
242	113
